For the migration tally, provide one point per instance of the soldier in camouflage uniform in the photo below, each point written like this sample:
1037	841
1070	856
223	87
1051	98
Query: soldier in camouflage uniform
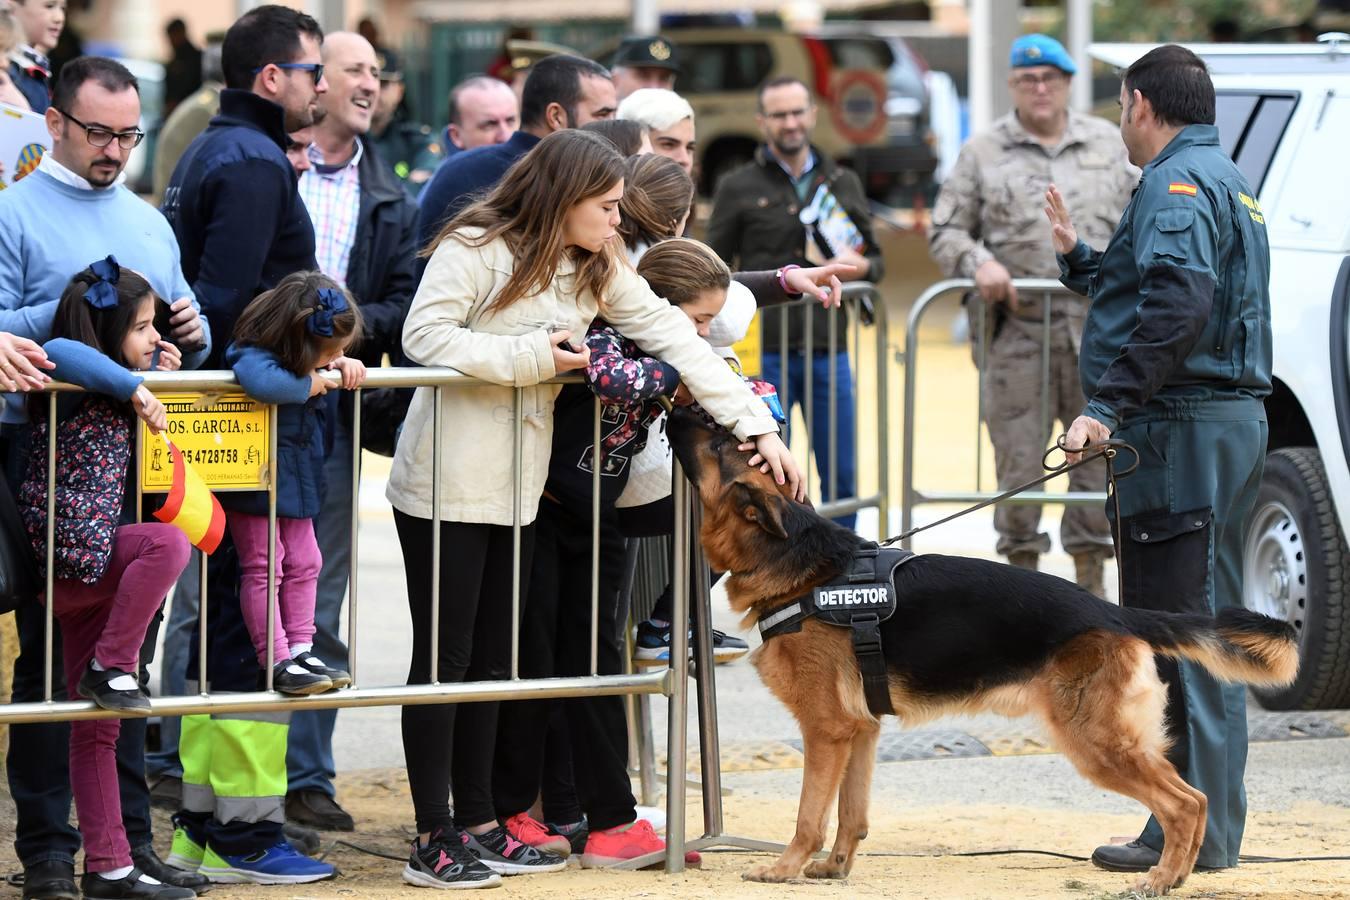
989	225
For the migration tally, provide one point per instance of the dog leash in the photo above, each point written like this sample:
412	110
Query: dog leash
1107	449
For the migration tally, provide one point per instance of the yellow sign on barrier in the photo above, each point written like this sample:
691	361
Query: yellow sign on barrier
222	436
748	350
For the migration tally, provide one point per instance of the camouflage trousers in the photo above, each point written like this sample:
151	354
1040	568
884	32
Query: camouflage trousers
1020	430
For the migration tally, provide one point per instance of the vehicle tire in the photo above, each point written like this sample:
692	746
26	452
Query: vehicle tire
1296	567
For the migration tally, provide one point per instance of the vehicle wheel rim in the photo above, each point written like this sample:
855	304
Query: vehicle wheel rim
1275	566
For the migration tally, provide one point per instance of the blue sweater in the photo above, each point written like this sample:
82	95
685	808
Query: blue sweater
50	231
302	434
235	207
463	175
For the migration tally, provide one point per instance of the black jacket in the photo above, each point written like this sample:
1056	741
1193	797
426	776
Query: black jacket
754	225
236	210
380	271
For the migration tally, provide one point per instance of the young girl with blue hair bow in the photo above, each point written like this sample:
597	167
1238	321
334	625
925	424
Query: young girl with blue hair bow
282	342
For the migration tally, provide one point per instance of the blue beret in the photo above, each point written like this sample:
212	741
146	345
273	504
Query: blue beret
1041	50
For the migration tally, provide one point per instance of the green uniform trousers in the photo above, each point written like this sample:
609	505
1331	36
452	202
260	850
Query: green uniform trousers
1183	513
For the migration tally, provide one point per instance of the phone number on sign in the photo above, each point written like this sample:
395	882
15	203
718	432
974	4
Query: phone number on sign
211	455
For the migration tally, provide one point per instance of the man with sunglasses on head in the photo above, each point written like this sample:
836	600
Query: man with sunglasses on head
71	211
988	225
242	226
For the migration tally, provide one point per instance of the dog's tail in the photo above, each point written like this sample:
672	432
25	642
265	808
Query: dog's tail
1238	645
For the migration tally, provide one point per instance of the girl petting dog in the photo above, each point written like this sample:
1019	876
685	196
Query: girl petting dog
509	282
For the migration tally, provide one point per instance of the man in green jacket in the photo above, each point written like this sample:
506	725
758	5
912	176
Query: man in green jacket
768	214
1176	361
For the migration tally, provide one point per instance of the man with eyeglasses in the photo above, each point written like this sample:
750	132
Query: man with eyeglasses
760	221
242	226
70	211
988	225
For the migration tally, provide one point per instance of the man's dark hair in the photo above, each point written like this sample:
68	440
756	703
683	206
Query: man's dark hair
1176	82
262	36
176	26
780	81
110	74
555	79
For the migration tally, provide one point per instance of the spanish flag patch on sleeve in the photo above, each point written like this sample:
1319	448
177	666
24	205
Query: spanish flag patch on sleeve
1180	187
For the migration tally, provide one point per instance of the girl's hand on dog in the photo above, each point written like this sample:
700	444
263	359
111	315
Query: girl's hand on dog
772	453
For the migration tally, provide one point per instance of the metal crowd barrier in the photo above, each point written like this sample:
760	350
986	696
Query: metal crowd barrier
862	300
671	682
911	495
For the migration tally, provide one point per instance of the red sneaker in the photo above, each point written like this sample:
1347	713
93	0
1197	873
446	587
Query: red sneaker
532	832
624	842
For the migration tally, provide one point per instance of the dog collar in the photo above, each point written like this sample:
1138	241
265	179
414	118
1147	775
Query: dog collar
859	599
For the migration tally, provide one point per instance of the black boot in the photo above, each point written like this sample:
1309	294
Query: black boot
50	880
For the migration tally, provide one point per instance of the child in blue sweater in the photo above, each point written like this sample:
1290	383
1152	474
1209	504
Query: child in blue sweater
109	577
283	340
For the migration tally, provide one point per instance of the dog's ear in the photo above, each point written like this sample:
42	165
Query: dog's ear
760	507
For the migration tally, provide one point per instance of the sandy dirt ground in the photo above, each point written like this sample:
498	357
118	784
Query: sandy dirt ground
902	857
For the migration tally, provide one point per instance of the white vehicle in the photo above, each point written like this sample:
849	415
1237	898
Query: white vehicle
1283	114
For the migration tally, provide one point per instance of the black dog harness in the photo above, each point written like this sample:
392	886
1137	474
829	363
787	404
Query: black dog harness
859	599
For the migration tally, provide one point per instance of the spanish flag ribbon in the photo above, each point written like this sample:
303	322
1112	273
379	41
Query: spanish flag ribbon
1180	187
191	507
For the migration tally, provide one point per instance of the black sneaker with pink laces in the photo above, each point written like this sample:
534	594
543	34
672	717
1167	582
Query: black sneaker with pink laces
445	862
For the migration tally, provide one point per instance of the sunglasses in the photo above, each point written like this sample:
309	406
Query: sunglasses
314	69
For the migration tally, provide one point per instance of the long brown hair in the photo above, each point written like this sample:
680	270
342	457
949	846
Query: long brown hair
528	208
279	321
681	269
656	194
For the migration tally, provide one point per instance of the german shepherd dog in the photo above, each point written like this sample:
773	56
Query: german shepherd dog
967	636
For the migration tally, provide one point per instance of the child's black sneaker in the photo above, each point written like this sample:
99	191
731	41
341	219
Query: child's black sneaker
576	834
312	663
288	677
97	685
502	853
446	863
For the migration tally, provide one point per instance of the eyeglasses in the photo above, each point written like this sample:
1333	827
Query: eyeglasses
787	114
1031	82
102	137
315	69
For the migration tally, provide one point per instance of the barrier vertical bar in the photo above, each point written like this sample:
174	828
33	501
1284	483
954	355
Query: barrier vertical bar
809	391
353	567
517	470
436	534
883	416
982	360
677	723
831	491
48	622
595	539
1045	366
271	540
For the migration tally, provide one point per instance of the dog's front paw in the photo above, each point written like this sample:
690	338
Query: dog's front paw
770	874
1155	883
825	868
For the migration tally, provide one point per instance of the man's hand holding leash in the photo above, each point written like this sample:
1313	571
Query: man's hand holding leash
1083	434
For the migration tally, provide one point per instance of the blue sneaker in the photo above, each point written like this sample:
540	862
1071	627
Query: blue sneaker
278	864
652	646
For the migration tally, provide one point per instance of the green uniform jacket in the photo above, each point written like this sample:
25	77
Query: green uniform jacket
1180	312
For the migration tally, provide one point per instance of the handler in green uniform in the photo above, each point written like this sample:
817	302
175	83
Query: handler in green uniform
1176	359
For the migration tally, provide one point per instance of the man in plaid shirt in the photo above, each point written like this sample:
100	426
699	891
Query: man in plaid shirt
364	232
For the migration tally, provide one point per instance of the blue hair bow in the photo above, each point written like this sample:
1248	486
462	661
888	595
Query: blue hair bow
102	294
331	302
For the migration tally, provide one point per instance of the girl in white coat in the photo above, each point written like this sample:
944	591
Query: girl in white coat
509	282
